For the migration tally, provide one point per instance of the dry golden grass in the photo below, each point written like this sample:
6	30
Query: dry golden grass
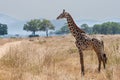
56	58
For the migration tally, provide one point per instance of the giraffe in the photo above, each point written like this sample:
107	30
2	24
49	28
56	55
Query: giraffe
85	42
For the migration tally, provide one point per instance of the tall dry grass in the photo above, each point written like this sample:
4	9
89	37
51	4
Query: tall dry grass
57	58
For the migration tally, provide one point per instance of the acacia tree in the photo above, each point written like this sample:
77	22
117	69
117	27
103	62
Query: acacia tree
46	25
3	29
32	25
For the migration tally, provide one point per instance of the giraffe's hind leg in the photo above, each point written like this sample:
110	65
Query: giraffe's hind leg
98	46
104	64
99	60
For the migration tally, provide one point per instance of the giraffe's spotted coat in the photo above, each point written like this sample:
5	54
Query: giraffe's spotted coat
84	42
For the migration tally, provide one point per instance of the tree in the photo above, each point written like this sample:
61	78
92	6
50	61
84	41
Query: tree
97	28
3	29
107	28
63	30
32	25
115	28
86	28
46	25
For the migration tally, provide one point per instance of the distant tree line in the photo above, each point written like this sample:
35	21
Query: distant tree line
3	29
107	28
104	28
35	25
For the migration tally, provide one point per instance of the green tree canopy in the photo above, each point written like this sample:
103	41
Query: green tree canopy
107	28
46	25
3	29
32	25
86	28
63	30
97	28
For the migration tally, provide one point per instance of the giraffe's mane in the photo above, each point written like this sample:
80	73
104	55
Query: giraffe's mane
82	31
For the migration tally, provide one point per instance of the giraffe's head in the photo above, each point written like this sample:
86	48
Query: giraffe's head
62	15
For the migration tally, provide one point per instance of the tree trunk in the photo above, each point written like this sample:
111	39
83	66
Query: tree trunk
33	33
47	32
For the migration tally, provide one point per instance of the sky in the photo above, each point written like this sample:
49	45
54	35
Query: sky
50	9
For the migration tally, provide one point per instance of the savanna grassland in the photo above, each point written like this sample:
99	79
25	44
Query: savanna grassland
56	58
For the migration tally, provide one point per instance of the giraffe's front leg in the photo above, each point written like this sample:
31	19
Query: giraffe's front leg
81	62
81	57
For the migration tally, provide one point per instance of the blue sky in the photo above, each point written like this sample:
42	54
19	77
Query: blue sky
50	9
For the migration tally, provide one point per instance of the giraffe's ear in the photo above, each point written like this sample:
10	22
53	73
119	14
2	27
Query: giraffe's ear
63	10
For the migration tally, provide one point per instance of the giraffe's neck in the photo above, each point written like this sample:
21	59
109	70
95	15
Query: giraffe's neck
75	30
